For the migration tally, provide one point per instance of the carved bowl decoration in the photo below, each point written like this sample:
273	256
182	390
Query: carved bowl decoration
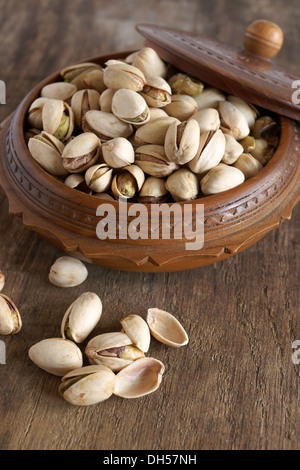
232	220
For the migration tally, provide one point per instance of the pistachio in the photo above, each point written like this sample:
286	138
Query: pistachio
181	107
182	141
114	350
166	328
122	75
81	152
183	185
233	121
266	128
263	151
98	177
75	73
2	280
185	85
58	119
139	378
76	181
248	110
67	272
153	160
57	356
248	165
59	91
210	151
128	183
104	196
248	143
105	125
154	132
233	149
35	113
93	79
156	113
130	107
130	58
137	330
208	119
87	385
118	152
82	102
47	151
157	92
153	191
149	62
209	98
105	100
221	178
81	317
10	318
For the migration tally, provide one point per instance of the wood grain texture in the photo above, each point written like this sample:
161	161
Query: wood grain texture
234	386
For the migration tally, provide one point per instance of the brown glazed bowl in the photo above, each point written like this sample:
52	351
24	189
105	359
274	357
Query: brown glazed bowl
233	220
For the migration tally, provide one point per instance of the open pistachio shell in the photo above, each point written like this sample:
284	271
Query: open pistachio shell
81	152
81	317
46	151
140	378
233	121
157	92
35	113
210	152
130	106
249	111
105	100
121	75
118	152
105	125
137	329
75	73
233	149
154	132
59	91
181	107
149	62
58	119
166	328
77	181
82	102
57	356
208	119
182	141
99	177
152	160
128	183
67	272
87	385
114	350
93	80
10	318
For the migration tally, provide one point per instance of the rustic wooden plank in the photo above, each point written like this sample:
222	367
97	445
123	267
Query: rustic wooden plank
234	386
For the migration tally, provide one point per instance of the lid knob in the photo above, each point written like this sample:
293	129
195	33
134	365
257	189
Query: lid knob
263	38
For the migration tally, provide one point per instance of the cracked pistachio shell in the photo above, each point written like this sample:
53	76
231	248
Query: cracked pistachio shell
183	185
59	91
221	178
157	92
81	152
2	280
118	152
209	98
93	79
233	149
153	191
98	177
140	378
75	73
149	62
166	328
208	119
10	318
83	101
114	350
263	151
152	160
77	181
249	111
67	272
105	125
105	100
248	165
138	331
181	107
210	152
46	151
87	385
182	141
121	75
58	356
58	119
128	183
185	85
130	106
35	113
154	132
233	122
81	317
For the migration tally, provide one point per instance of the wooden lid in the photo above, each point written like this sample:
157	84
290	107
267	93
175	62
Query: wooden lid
247	73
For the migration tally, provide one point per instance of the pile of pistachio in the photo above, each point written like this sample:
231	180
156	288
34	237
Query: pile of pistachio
139	129
117	361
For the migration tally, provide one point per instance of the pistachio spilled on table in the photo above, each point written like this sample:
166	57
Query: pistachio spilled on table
139	111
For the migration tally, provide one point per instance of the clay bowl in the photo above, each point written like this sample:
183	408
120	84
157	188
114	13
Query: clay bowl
233	220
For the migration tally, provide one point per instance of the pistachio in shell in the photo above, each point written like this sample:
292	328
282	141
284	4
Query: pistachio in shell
154	132
128	183
152	160
183	185
75	73
10	318
209	98
98	177
157	92
221	178
153	191
185	85
47	151
121	75
118	152
81	152
166	328
58	119
59	91
105	100
67	272
77	181
208	119
249	165
138	331
233	121
210	151
182	141
148	61
181	107
105	125
83	101
129	106
233	149
35	112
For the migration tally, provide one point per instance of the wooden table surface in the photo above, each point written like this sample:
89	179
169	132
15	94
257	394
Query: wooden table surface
235	385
